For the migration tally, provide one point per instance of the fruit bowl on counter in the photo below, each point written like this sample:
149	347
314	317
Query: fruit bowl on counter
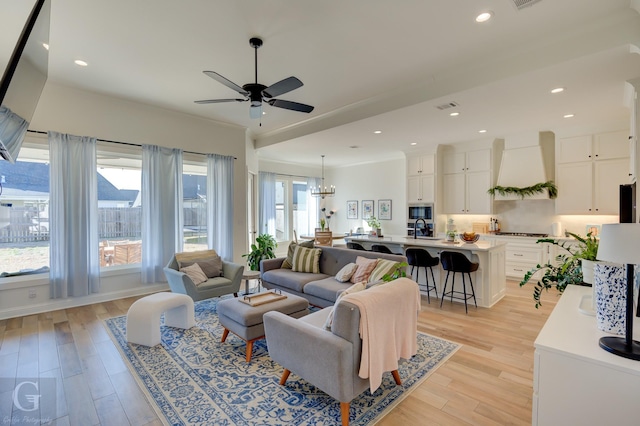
469	237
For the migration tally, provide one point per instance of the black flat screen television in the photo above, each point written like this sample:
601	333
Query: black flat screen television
23	79
628	203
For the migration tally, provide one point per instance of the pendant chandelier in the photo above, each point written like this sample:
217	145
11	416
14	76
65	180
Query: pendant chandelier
322	191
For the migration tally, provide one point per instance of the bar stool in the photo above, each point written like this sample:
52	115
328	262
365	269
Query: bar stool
422	258
453	261
355	246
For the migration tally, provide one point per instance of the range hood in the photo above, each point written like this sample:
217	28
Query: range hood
526	161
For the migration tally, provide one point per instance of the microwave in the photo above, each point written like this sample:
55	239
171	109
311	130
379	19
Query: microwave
420	211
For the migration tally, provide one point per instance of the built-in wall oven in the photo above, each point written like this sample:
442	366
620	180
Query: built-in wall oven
424	227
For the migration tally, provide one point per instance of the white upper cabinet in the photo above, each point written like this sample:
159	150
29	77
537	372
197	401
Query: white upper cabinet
420	165
570	150
602	146
466	179
462	162
420	189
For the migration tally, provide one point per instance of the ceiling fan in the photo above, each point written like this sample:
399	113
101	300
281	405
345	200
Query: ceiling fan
259	93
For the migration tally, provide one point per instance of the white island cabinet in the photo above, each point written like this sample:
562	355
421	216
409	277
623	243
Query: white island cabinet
575	381
489	281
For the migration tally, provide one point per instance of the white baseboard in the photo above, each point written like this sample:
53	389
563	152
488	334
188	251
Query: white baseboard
72	302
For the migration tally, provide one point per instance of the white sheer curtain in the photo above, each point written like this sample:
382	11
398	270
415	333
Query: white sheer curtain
267	203
220	205
73	211
161	209
12	131
313	205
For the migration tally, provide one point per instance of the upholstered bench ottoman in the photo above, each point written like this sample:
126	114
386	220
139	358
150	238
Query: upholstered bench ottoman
143	317
245	320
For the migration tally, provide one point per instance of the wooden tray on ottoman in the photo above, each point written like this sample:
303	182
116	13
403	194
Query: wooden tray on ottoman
262	298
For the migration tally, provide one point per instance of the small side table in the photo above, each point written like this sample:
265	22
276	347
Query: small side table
250	275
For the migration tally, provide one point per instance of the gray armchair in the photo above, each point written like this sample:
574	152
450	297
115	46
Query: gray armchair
228	283
328	359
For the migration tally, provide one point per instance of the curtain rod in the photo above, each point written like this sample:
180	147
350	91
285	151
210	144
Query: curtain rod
120	143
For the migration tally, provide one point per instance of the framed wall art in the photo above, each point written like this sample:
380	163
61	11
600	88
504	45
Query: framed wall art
367	209
352	209
384	209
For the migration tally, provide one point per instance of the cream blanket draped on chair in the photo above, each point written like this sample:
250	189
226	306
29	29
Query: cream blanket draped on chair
388	326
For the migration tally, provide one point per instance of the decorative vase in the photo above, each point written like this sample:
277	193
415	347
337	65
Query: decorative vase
610	297
587	271
379	232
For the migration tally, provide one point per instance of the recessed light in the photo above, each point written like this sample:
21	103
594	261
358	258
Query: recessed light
264	112
45	45
557	90
413	144
454	114
484	17
568	116
377	132
482	131
80	62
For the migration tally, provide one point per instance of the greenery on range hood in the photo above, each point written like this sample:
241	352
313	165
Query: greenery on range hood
526	191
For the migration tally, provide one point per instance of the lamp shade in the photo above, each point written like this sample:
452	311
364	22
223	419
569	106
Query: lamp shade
620	243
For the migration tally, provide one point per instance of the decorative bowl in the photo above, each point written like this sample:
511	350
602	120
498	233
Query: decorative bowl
469	237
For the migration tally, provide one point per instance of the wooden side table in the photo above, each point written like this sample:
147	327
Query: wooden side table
247	276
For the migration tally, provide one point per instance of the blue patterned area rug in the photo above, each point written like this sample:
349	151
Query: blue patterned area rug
194	379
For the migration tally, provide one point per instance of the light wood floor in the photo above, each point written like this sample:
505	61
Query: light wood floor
487	382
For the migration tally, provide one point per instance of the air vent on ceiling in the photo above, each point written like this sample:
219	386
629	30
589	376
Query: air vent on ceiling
521	4
447	105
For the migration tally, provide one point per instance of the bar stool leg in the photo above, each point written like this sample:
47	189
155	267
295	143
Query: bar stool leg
453	285
426	280
444	289
433	280
464	291
473	292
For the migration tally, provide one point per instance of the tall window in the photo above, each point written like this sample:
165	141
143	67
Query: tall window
293	206
194	190
24	211
119	209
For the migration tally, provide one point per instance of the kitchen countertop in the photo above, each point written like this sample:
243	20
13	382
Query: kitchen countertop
435	242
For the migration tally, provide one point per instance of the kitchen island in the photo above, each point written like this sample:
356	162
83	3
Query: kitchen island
489	281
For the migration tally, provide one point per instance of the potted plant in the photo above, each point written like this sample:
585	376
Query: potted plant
375	225
262	249
567	268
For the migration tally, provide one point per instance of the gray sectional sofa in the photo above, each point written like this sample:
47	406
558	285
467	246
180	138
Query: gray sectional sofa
319	289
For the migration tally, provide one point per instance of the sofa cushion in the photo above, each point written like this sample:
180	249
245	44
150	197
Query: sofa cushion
288	279
383	267
306	260
353	289
194	256
327	289
346	272
211	267
215	283
288	262
365	267
195	273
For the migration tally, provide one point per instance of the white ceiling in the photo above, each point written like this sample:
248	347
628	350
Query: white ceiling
365	64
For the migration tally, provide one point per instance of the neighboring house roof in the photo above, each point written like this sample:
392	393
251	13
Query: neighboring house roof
34	177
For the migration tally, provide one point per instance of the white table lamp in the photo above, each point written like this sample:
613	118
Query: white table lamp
620	243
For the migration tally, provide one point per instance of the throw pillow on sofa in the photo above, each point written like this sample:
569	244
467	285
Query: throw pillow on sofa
211	267
383	268
306	260
353	289
365	267
346	272
288	262
195	273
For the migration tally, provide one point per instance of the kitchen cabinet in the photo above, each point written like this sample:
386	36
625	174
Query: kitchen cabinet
420	189
523	254
466	178
421	165
575	382
589	171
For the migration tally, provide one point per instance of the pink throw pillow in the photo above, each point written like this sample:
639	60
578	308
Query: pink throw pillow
365	267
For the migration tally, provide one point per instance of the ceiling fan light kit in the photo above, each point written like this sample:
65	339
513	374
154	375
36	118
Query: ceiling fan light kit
258	93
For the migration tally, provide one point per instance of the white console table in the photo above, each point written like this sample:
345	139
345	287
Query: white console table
575	381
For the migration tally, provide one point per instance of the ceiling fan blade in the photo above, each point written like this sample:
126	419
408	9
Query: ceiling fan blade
223	80
219	101
281	87
255	111
294	106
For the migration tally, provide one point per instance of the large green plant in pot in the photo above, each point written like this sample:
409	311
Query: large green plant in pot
262	249
567	268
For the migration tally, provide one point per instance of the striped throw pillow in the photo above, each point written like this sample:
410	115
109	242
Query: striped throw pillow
383	268
306	260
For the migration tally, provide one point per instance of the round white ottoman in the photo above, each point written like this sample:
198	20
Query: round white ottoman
143	317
